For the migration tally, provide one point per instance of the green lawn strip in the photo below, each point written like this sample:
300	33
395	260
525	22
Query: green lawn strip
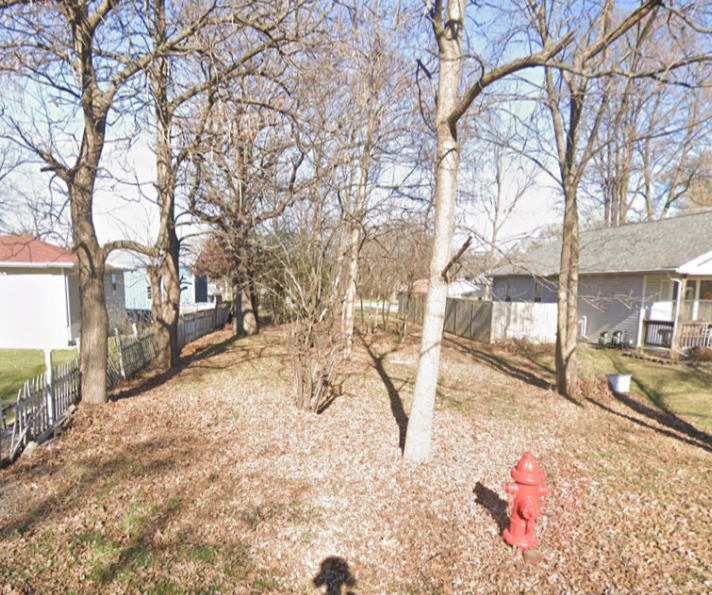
678	389
20	365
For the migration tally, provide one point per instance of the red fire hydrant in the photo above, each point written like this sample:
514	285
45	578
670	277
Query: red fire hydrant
528	488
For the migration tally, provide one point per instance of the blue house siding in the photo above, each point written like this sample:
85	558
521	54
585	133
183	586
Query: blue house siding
194	289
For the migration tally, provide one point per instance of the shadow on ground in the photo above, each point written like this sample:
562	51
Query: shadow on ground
496	506
393	393
149	379
334	574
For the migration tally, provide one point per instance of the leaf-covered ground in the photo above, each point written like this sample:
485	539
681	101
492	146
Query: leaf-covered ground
210	480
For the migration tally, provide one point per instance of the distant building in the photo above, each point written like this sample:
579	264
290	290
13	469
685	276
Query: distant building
39	295
650	281
139	296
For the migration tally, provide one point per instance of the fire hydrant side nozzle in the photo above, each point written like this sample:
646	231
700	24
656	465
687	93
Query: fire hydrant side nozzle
528	488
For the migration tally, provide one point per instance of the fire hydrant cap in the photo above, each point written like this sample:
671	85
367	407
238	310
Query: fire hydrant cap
527	471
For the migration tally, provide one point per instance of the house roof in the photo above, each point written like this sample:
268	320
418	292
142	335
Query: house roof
26	251
637	247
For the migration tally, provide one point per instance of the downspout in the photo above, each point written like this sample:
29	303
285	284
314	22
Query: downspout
676	317
67	310
641	315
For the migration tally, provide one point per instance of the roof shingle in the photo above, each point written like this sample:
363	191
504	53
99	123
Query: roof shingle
25	249
637	247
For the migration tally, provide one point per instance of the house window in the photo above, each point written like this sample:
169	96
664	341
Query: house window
538	290
690	291
113	282
149	293
706	290
504	295
668	290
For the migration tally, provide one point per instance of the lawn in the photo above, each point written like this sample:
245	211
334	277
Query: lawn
19	365
676	390
209	480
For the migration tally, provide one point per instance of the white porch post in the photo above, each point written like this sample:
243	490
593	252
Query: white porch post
675	339
640	340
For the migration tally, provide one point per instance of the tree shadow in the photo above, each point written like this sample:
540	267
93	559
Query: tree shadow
495	505
504	366
149	379
650	426
96	470
658	413
397	409
334	574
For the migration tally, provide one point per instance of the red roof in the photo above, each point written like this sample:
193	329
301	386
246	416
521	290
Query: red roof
27	250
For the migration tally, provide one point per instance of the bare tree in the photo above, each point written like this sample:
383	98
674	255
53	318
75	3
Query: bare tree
577	93
83	54
449	26
653	126
369	56
305	276
186	86
245	175
496	181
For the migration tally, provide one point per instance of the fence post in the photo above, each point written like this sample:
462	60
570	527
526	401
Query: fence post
120	352
135	329
48	386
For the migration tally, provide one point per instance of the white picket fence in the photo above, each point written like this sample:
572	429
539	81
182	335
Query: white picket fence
44	401
196	324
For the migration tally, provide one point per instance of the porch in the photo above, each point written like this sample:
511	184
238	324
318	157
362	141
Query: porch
684	319
659	333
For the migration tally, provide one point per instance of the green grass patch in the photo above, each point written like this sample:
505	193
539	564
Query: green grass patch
678	389
20	365
136	517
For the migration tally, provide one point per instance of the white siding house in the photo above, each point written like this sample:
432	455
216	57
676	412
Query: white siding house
39	295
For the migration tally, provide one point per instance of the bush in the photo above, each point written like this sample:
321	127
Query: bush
699	354
526	348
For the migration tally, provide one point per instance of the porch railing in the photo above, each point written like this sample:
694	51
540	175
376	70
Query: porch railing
658	333
695	334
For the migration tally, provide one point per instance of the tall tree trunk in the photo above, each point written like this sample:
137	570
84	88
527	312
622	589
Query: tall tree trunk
245	312
352	279
91	256
166	325
168	347
567	302
418	437
357	216
95	320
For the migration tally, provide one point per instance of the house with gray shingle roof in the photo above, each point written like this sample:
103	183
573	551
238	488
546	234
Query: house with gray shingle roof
651	280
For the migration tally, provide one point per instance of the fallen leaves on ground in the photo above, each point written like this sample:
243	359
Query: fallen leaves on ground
209	480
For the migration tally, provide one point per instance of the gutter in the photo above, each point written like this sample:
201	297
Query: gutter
34	265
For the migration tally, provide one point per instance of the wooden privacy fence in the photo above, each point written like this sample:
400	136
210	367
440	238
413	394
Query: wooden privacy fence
197	324
44	401
488	322
471	319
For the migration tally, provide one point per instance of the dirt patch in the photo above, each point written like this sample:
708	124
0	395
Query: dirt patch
209	479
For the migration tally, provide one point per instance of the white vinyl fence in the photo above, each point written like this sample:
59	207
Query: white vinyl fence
533	321
44	401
